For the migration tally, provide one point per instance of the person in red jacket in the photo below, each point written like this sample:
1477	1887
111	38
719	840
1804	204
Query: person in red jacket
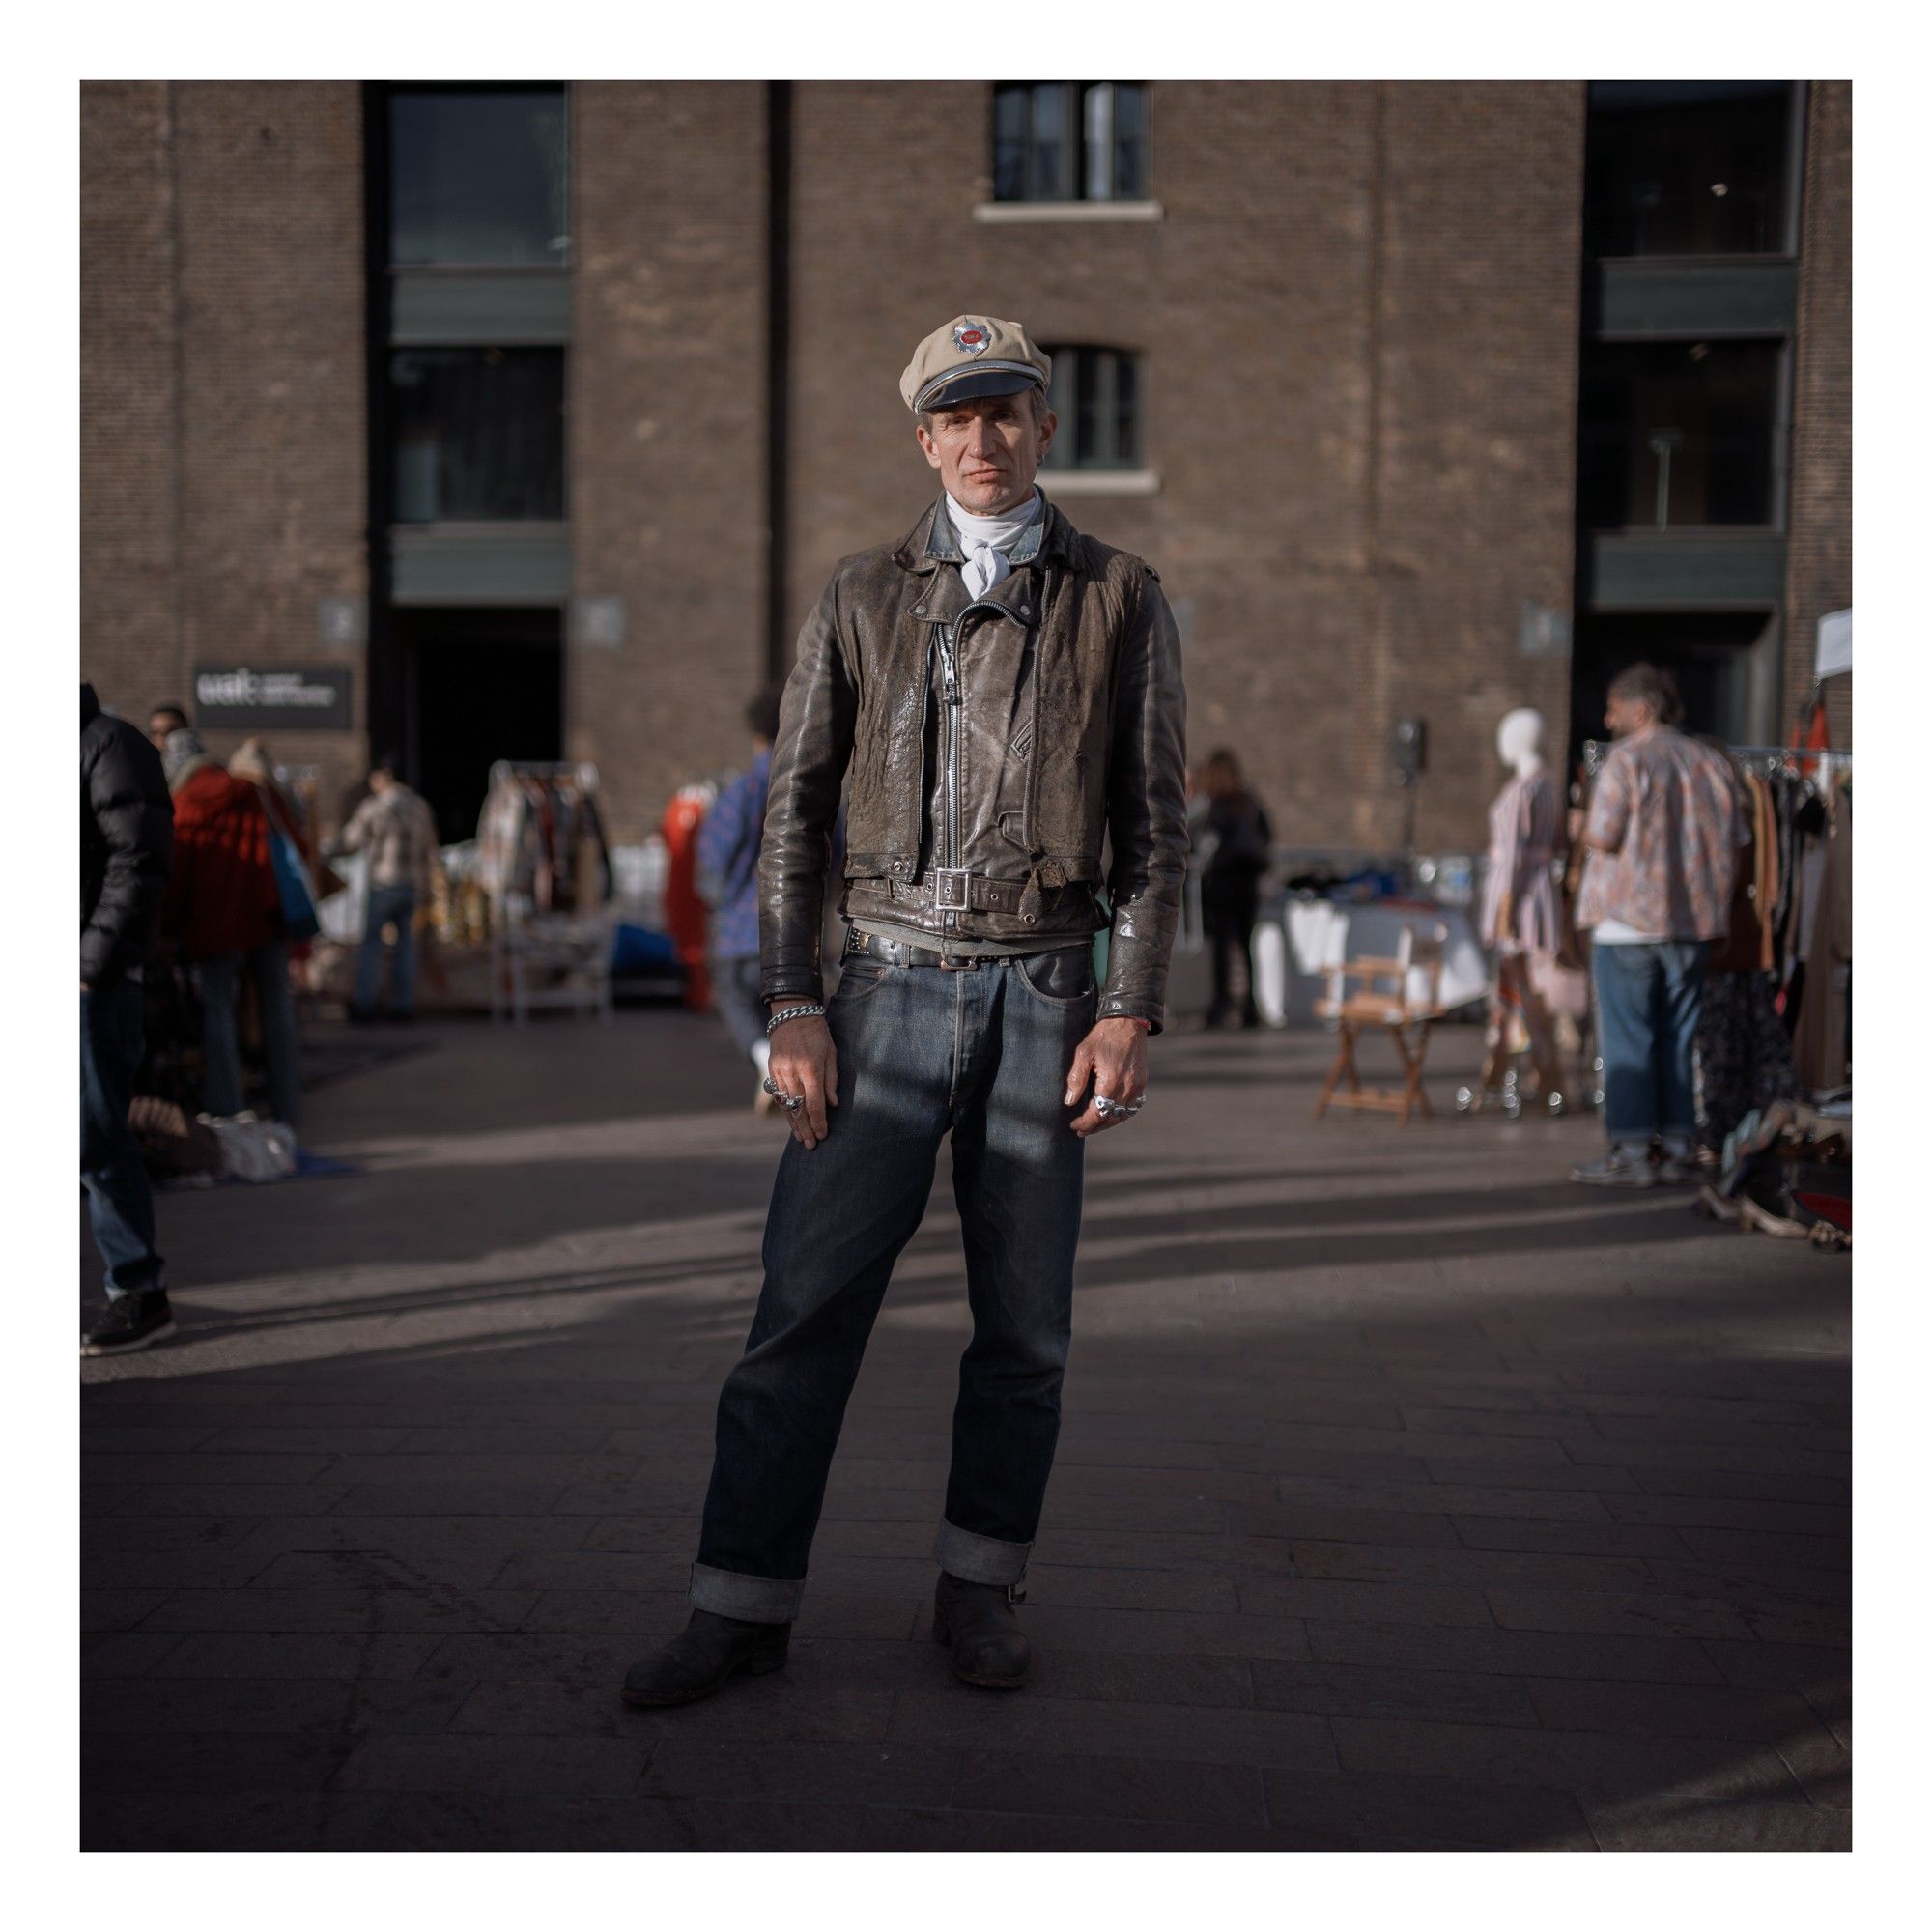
223	911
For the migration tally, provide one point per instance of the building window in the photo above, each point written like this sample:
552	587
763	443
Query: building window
1069	140
1689	167
477	434
1677	434
479	178
1097	393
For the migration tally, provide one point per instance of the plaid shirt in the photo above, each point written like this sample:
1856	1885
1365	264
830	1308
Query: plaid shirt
727	861
1667	809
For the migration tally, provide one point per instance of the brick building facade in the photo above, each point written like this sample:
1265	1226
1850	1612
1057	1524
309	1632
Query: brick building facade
1354	314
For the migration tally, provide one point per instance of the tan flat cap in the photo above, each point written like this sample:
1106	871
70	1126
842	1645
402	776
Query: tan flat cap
972	356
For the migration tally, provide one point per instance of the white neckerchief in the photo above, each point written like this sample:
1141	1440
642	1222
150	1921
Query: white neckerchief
986	540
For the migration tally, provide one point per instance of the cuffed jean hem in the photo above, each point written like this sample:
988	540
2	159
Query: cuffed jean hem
752	1599
979	1559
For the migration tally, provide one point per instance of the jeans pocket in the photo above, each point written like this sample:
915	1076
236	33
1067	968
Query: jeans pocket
1064	979
859	977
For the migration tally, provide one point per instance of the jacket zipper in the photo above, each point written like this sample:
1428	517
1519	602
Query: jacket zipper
949	697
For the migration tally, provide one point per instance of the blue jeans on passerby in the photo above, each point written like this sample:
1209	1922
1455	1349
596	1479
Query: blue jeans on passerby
983	1055
281	1046
119	1204
734	992
1648	999
388	905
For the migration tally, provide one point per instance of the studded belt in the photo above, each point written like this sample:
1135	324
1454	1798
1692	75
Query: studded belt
901	952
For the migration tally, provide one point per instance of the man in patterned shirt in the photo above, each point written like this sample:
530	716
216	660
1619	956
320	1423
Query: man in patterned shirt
1663	836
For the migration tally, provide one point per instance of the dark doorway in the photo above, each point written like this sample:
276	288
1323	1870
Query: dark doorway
479	685
1711	654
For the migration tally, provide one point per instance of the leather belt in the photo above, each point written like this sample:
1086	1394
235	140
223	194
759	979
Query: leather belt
900	953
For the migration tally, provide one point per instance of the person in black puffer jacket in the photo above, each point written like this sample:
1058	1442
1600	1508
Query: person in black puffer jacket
127	841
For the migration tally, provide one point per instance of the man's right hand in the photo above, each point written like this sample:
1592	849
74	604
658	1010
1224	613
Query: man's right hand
805	1062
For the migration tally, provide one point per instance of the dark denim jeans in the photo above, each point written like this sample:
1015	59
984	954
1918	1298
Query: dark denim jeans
281	1044
982	1055
388	905
119	1203
1648	998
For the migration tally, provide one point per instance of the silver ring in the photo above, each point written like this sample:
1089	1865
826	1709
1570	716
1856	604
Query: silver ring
791	1102
772	1087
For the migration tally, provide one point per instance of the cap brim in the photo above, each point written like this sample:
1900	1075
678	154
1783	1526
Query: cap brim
970	382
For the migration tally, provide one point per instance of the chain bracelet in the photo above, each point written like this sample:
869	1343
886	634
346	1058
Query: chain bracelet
804	1013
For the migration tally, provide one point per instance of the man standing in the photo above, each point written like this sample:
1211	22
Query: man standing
1006	695
1662	835
395	827
127	839
727	870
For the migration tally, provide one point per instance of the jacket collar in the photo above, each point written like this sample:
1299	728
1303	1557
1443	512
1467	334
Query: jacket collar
930	541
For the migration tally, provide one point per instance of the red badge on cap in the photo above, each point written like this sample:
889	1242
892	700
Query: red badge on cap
972	336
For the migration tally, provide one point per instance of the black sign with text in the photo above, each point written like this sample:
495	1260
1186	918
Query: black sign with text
277	698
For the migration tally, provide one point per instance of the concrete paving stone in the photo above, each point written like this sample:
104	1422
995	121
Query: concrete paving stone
418	1539
1284	1522
1801	1623
1111	1728
117	1438
180	1406
275	1438
525	1439
1745	1486
1498	1425
377	1608
1768	1587
1107	1588
354	1653
119	1654
120	1609
1530	1478
169	1532
1768	1546
1159	1633
1722	1461
208	1761
1464	1811
1620	1614
1153	1484
325	1707
507	1470
1813	1670
495	1821
1418	1443
1833	1518
672	1535
576	1659
1569	1539
212	1500
477	1762
111	1570
1643	1824
804	1703
196	1466
1098	1676
622	1610
1217	1795
1707	1432
1515	1653
1347	1465
1763	1715
174	1820
445	1500
598	1570
1479	1569
684	1766
100	1499
1125	1550
1568	1760
1821	1764
1580	1505
1340	1690
891	1829
1693	1408
386	1569
1365	1603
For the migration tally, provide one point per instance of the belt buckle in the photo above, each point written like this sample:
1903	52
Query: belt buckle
949	892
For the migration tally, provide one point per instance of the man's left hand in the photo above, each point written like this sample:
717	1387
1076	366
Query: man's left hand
1114	1058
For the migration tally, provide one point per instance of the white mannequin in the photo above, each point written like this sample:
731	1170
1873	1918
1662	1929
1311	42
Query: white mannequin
1520	741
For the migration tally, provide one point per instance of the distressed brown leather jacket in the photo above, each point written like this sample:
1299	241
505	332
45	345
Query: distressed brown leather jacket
996	745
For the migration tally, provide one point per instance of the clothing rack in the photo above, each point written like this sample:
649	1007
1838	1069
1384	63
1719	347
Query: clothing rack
1764	759
547	959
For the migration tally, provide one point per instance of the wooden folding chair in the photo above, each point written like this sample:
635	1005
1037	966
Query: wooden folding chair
1403	1008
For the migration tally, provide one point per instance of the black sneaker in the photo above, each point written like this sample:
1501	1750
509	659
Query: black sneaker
131	1322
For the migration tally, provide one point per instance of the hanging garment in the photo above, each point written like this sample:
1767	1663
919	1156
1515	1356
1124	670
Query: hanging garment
1823	1043
1743	1055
